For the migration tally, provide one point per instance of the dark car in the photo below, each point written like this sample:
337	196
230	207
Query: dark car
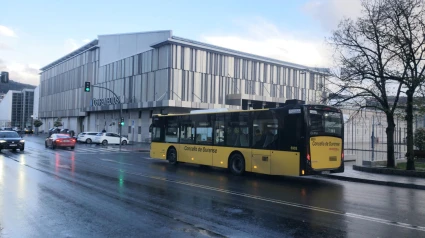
64	131
54	130
28	130
11	140
60	140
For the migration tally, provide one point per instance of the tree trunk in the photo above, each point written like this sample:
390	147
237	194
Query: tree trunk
390	141
409	119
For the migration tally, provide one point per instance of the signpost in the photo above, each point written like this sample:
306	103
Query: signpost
108	101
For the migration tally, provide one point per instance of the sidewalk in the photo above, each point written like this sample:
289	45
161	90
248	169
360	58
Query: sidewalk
379	179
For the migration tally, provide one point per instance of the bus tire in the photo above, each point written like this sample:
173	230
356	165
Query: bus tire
172	156
237	164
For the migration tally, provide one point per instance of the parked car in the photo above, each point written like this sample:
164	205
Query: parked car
87	137
64	131
11	140
54	130
60	140
106	138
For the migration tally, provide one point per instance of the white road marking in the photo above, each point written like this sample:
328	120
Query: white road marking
324	210
114	161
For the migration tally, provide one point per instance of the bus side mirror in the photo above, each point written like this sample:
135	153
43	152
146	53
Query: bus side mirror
150	129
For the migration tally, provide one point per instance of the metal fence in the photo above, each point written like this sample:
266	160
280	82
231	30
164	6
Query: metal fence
361	128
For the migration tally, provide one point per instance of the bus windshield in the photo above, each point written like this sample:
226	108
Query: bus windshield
325	122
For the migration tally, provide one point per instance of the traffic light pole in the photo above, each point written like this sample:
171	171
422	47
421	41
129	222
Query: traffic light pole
120	108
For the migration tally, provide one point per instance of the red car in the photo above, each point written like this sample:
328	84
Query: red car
60	140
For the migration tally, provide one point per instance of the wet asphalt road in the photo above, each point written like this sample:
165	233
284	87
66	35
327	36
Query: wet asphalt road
100	192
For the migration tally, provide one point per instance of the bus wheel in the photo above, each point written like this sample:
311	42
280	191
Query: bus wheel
172	156
237	164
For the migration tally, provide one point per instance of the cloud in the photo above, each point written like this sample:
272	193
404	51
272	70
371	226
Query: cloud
4	46
330	12
22	73
5	31
266	39
72	44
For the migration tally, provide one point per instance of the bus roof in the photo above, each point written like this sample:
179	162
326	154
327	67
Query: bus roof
225	110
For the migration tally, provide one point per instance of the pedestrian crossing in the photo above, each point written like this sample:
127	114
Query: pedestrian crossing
83	149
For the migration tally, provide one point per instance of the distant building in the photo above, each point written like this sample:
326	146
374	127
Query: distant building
17	108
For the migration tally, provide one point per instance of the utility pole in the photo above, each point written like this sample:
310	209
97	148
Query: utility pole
121	124
373	137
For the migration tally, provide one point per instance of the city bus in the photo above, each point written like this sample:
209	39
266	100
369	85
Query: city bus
294	140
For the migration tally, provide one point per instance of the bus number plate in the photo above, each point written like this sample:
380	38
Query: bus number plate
332	158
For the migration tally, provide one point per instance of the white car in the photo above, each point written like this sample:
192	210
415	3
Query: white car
87	136
106	138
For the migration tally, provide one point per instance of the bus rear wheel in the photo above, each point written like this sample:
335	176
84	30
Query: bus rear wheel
172	156
237	164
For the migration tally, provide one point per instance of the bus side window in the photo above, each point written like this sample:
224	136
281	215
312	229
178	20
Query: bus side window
265	127
157	130
219	131
171	130
187	131
237	129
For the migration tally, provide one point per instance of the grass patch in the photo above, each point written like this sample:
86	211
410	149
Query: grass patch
419	166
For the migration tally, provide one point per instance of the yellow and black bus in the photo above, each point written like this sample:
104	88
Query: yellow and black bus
296	139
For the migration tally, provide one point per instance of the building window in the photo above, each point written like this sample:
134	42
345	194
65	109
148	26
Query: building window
140	130
140	114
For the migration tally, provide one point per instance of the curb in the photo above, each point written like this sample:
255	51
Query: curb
413	174
377	182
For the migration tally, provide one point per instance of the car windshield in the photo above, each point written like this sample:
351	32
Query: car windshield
9	134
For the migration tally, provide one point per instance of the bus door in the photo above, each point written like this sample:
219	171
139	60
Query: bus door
286	156
263	141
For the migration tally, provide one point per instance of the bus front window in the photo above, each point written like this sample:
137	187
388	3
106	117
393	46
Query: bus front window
325	122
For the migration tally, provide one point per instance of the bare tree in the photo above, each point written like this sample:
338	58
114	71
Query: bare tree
363	53
407	34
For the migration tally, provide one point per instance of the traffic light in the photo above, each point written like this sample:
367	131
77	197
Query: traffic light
4	77
87	87
122	121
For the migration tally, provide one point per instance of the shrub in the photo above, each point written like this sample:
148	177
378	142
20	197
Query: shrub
58	122
38	123
419	139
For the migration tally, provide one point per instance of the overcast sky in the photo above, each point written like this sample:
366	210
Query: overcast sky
36	33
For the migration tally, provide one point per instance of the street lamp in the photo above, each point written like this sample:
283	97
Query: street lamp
373	135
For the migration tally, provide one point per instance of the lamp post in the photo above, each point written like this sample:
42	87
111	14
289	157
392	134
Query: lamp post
373	137
120	103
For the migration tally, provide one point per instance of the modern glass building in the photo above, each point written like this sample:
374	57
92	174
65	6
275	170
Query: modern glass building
156	72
